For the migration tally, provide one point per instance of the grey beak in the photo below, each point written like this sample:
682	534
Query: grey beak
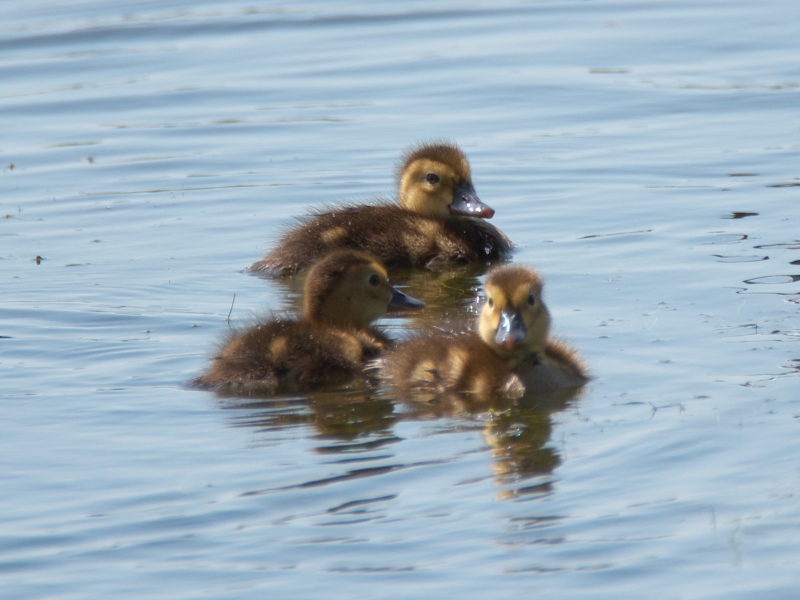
511	330
467	204
401	301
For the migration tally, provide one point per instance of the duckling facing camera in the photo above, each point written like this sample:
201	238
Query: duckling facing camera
439	221
344	293
510	355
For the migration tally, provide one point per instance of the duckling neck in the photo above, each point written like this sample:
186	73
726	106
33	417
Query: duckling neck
334	316
416	205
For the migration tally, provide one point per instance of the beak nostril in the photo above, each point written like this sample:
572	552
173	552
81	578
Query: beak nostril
466	203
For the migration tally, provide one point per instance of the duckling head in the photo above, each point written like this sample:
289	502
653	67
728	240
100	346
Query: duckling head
348	288
514	320
435	180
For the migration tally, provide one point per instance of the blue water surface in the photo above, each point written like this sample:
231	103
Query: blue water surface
644	157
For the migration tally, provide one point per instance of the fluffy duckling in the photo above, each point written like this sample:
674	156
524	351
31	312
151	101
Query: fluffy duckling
344	293
510	355
439	221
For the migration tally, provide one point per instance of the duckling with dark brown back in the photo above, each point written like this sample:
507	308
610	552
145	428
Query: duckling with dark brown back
440	220
344	293
510	355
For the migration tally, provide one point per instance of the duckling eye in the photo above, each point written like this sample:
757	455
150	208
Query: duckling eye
531	300
491	303
374	280
432	178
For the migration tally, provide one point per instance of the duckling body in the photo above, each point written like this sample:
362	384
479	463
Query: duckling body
511	353
462	362
344	293
292	354
439	221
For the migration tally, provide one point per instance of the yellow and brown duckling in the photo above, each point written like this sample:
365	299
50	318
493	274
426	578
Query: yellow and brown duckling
439	220
344	293
510	355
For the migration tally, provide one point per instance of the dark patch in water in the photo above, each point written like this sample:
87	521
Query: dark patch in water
600	235
373	570
790	246
739	215
728	238
354	503
739	259
349	476
773	279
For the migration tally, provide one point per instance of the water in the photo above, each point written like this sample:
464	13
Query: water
157	150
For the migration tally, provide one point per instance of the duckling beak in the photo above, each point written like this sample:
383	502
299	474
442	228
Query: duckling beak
467	204
401	301
511	330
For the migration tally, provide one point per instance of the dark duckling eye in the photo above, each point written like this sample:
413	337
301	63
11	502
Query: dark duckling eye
531	300
491	303
432	178
374	280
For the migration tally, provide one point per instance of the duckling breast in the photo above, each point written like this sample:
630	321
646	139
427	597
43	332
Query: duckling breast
559	368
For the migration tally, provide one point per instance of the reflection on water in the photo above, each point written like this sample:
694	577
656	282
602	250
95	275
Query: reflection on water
354	424
342	415
517	431
517	434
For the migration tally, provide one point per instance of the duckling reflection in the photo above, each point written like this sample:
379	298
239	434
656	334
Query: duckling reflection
346	419
343	294
510	355
439	221
355	423
517	431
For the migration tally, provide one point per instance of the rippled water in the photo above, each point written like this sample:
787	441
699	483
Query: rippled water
644	156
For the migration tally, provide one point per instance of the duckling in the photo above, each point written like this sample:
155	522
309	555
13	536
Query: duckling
510	355
344	293
439	221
